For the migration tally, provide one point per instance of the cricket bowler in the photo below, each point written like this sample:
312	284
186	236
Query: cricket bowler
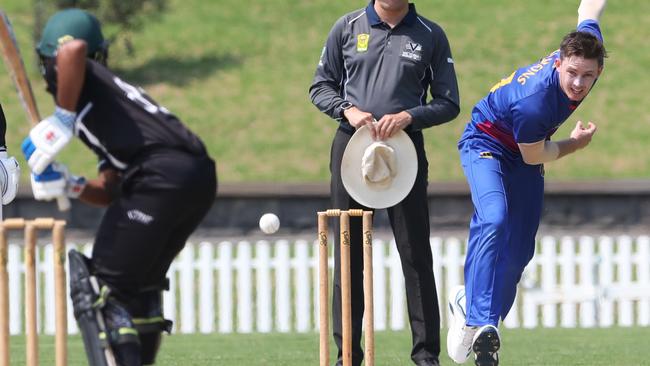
502	152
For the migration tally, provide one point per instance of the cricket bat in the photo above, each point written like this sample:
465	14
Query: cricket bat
14	62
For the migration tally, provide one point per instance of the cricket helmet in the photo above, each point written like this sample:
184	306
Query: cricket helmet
71	24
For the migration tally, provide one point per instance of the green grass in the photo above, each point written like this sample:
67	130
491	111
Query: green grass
557	347
238	74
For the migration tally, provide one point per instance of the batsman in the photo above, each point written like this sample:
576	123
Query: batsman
155	179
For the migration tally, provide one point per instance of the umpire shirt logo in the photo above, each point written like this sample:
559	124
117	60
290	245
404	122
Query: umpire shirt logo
412	50
362	42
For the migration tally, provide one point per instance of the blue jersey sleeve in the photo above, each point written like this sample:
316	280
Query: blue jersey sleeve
591	26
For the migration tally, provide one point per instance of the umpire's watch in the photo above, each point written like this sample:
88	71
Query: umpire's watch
344	107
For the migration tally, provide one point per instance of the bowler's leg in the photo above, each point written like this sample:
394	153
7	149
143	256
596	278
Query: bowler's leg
526	200
488	234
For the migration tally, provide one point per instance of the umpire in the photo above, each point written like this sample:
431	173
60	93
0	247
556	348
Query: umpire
375	69
155	177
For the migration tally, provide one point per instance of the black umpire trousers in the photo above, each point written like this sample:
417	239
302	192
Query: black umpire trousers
410	223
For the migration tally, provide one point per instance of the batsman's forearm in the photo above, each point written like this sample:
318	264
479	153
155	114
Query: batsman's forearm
71	71
97	193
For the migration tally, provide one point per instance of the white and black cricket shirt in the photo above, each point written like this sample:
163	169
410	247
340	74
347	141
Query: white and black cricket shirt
120	122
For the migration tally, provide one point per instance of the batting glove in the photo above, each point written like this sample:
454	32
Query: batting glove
56	181
9	177
48	185
74	184
48	138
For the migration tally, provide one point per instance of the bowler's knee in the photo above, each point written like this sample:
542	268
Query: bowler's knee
495	222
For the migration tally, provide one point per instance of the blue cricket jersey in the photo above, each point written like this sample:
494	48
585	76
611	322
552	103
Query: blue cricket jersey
528	105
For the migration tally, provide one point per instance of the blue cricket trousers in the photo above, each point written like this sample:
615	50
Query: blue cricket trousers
507	195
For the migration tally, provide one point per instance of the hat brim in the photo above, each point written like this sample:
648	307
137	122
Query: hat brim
407	168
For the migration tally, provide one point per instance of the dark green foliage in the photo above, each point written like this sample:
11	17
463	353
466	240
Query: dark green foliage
119	18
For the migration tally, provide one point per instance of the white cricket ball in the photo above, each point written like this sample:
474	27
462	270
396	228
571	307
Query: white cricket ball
269	223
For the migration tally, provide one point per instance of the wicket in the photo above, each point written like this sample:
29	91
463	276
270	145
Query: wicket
30	228
346	308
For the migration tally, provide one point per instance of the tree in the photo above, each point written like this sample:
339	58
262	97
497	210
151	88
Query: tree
119	17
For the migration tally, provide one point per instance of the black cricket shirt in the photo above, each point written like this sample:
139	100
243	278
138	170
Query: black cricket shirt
120	122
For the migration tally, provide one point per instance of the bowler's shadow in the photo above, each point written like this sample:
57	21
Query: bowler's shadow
177	70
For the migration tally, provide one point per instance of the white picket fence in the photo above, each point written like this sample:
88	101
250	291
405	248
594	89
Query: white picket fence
264	287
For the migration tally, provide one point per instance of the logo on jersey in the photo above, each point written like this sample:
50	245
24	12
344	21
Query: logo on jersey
534	69
139	216
412	51
362	42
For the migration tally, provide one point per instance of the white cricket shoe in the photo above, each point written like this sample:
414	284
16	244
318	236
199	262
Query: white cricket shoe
486	346
460	337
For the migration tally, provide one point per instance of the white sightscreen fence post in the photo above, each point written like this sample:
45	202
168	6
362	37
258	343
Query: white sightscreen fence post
206	292
624	264
605	280
282	286
15	270
187	292
48	272
567	286
302	286
643	277
225	287
379	283
315	282
549	280
244	288
587	262
39	285
263	286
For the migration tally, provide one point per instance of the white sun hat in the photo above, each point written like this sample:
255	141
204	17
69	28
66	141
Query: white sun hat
379	174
